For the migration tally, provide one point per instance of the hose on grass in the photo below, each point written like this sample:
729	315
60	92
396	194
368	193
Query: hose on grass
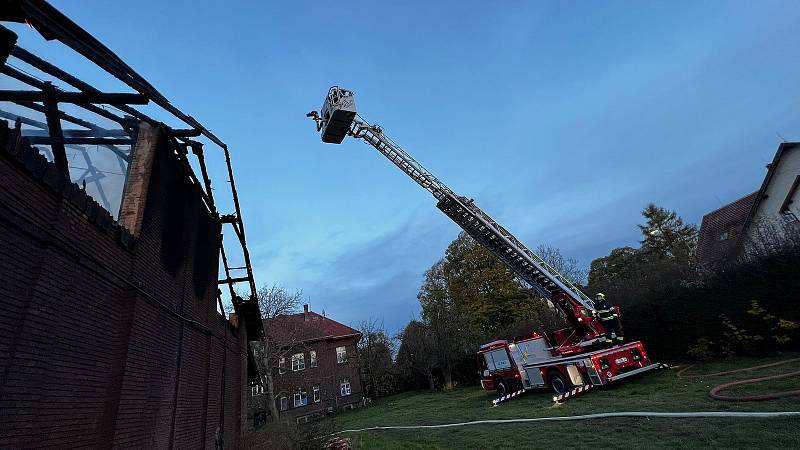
715	391
726	414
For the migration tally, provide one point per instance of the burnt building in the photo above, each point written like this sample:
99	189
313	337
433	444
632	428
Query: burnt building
316	370
111	327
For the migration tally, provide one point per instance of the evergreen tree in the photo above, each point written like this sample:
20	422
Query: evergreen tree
666	235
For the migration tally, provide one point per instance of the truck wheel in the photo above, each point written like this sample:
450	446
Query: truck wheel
501	387
558	382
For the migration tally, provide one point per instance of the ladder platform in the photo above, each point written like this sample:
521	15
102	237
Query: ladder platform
338	114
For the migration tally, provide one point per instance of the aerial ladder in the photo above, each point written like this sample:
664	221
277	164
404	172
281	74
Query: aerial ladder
338	119
577	361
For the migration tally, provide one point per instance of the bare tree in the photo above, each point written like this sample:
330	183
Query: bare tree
375	353
567	267
274	301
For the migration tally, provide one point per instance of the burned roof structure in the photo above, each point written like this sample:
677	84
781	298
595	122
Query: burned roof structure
57	97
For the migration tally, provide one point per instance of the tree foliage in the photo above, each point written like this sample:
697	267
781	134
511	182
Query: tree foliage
375	350
467	298
666	235
415	360
629	275
483	287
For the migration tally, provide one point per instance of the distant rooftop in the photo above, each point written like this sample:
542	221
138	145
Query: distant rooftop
307	326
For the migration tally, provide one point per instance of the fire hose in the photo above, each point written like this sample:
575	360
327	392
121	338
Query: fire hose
726	414
715	391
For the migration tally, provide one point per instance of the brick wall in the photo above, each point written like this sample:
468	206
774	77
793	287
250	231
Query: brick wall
327	375
109	339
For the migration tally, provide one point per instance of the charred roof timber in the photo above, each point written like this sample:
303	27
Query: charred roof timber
46	98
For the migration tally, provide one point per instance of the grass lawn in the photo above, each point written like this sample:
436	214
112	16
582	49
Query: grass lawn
659	391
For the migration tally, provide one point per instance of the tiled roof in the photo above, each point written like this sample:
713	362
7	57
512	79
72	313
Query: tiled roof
721	231
305	326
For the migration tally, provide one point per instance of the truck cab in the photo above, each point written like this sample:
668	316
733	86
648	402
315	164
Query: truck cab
502	362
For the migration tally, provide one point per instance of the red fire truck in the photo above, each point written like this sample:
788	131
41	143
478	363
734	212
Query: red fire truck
577	358
530	362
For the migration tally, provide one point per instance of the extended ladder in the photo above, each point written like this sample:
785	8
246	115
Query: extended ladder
542	277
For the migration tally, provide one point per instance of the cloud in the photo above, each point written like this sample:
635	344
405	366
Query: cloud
379	277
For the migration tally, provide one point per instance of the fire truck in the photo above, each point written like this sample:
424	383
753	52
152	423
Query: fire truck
575	359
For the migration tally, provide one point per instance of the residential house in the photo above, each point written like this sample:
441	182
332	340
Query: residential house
722	233
759	221
317	370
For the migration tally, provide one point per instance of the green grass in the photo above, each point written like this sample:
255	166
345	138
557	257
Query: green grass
660	391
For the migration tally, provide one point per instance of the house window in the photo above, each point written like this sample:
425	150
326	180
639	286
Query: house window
341	355
344	387
298	362
282	365
300	398
723	236
257	389
313	356
317	397
284	404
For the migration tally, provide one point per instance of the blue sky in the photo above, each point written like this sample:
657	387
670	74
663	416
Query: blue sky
562	119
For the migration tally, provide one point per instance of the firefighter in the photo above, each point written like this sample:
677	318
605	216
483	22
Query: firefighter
609	318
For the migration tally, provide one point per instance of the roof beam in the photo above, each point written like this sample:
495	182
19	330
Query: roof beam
78	98
47	140
79	133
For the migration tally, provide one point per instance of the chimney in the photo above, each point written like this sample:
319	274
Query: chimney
305	312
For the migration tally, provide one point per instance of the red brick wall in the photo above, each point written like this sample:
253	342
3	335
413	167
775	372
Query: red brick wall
101	346
328	375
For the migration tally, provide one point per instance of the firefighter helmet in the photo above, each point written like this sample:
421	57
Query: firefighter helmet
600	296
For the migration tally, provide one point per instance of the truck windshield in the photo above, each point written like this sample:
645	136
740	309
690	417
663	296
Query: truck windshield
497	359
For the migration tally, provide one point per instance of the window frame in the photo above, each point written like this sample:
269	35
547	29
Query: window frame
345	385
312	356
300	359
284	401
302	395
316	394
341	357
282	365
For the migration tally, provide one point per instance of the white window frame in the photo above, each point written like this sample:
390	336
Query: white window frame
317	396
298	362
312	355
344	387
788	216
257	389
282	365
300	398
284	403
341	355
